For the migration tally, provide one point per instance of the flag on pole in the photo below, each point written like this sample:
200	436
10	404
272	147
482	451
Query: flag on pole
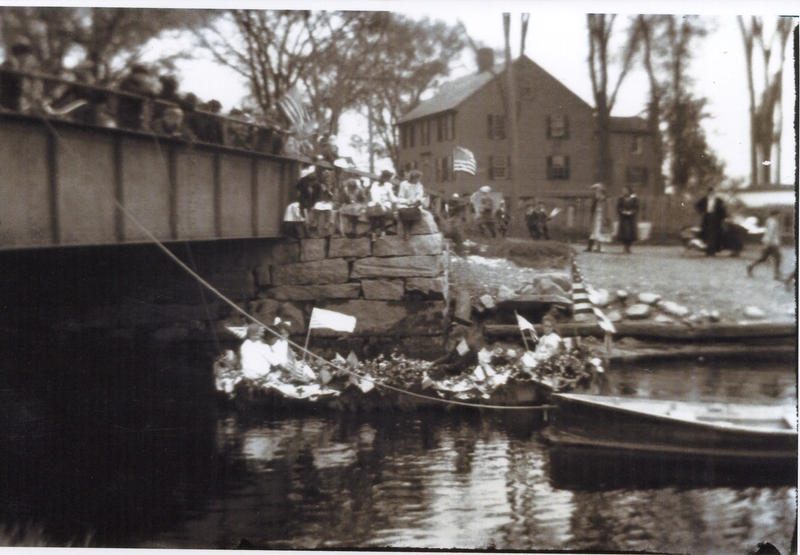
332	320
464	161
525	325
291	104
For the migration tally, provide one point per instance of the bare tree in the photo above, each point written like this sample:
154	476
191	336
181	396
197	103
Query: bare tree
269	48
600	29
647	28
765	132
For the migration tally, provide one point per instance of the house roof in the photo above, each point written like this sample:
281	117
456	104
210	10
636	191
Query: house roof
633	124
451	94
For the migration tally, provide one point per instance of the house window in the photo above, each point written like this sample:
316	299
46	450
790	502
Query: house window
499	167
411	137
497	127
558	167
444	169
557	127
636	145
446	127
636	175
403	137
425	132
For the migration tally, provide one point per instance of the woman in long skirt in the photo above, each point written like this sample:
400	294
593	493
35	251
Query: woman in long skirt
599	222
627	210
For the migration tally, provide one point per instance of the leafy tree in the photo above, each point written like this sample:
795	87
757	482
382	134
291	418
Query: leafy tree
684	112
375	62
407	58
666	42
107	41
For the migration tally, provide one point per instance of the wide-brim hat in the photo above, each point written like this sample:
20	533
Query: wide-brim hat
386	175
598	186
307	171
485	189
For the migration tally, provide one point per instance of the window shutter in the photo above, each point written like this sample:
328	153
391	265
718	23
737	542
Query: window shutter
549	131
508	167
491	168
439	129
566	130
490	122
566	166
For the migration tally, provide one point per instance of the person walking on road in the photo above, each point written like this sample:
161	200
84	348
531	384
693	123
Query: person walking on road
627	210
772	245
598	219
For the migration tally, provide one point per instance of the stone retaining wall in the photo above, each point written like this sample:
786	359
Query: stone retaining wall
393	286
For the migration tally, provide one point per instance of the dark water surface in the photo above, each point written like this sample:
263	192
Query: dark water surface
135	453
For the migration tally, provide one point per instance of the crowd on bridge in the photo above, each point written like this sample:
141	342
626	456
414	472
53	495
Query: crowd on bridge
142	101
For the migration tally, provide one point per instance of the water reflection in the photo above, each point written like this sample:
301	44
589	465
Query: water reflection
128	447
461	480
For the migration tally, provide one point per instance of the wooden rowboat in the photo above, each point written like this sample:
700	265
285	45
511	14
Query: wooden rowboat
675	428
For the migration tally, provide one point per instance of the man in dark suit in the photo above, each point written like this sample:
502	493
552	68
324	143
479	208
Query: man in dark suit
713	213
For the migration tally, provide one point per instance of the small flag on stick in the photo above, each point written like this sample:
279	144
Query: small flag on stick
606	324
332	320
464	161
525	325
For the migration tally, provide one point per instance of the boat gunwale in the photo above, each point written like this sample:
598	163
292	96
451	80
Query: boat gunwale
562	438
716	426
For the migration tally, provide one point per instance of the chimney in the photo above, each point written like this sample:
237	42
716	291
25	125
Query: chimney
485	59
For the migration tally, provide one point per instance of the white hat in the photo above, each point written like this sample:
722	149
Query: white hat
307	171
455	195
485	189
340	163
598	186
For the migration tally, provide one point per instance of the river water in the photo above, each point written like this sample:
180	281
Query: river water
138	454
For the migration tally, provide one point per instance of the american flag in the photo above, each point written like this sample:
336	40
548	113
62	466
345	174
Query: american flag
291	104
464	161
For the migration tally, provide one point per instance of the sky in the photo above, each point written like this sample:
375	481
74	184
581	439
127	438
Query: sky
557	40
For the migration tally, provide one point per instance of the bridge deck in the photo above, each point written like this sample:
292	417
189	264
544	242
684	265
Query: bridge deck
59	182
